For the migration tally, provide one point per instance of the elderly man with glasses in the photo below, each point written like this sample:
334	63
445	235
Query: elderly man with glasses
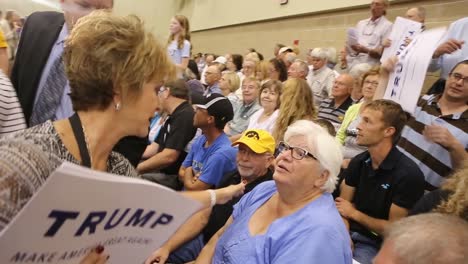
292	219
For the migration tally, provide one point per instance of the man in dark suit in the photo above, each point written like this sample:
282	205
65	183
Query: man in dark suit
38	75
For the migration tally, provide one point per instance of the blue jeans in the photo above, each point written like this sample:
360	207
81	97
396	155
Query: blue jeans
365	249
188	251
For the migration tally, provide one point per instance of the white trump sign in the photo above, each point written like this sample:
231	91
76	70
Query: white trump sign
403	30
78	209
406	81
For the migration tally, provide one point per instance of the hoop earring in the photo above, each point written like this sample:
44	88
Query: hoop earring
117	106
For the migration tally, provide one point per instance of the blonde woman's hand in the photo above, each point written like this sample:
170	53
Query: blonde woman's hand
95	256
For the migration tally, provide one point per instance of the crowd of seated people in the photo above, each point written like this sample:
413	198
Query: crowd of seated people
317	153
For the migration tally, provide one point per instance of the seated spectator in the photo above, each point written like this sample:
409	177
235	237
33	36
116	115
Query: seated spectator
347	134
262	71
208	60
327	125
289	58
176	133
299	69
449	199
428	238
323	77
436	137
212	77
342	65
211	155
283	51
234	64
244	109
269	100
381	185
108	108
357	72
220	61
249	68
334	109
296	103
254	158
277	48
228	84
193	68
11	113
278	70
287	220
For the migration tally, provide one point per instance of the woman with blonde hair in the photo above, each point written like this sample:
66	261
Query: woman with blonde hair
178	44
296	103
262	72
116	70
228	84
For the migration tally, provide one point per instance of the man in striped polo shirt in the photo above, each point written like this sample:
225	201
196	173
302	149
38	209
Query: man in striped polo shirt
436	137
334	109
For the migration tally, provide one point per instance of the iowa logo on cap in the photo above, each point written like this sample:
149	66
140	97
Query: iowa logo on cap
252	134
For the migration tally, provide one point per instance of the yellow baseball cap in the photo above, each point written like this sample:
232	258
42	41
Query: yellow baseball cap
258	140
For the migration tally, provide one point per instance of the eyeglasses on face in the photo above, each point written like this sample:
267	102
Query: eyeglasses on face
373	83
296	152
457	77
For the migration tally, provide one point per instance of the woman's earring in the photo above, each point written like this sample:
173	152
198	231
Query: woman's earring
117	106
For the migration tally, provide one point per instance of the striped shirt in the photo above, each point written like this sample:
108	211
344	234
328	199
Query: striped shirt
433	159
335	115
11	114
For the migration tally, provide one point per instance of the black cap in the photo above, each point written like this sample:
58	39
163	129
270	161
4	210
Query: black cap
218	106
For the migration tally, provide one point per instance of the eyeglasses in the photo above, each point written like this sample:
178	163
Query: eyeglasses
457	77
296	152
374	83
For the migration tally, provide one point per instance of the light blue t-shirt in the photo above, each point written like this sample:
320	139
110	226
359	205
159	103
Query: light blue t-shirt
458	30
214	161
313	234
176	53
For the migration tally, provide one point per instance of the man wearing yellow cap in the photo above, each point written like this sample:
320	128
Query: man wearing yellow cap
255	155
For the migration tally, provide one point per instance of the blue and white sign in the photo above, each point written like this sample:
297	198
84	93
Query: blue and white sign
78	209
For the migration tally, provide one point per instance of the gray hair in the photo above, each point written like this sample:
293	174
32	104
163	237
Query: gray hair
359	69
326	149
319	53
429	238
303	66
331	51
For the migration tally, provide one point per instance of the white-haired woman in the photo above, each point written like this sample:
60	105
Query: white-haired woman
292	219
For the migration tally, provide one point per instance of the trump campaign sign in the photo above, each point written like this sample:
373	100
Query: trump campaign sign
406	81
78	209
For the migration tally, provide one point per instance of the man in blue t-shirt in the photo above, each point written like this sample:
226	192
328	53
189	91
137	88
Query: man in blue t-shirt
211	155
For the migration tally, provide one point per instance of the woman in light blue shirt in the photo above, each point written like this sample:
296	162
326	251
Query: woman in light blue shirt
292	219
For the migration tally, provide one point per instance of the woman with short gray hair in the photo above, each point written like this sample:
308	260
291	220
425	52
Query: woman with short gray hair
289	219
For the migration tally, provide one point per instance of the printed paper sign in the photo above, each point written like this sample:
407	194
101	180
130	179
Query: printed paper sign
402	30
406	81
78	209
